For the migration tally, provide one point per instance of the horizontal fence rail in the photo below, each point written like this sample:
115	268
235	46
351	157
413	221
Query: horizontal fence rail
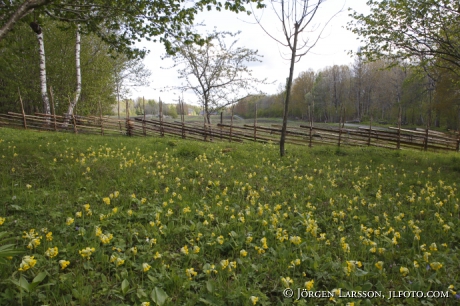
391	138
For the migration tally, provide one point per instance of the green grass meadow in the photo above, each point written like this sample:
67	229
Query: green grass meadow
94	220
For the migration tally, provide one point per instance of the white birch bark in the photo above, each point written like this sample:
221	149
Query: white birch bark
78	71
43	87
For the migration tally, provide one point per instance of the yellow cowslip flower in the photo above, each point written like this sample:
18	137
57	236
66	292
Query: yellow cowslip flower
379	265
186	210
134	250
145	304
87	252
254	299
116	194
416	265
309	285
196	249
243	253
64	264
49	236
220	239
146	267
133	196
264	243
69	221
426	255
35	242
106	200
143	200
86	207
157	255
105	238
2	220
28	186
78	214
287	281
184	250
224	263
115	210
404	271
130	212
51	252
295	240
27	263
98	231
249	239
433	247
119	261
436	265
190	273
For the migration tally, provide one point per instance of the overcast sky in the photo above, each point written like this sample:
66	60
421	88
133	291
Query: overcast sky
330	50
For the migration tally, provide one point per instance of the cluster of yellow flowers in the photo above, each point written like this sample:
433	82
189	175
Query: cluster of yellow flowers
87	252
27	263
34	239
117	260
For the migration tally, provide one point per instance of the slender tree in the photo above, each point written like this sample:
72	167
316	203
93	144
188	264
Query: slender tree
216	73
41	51
295	17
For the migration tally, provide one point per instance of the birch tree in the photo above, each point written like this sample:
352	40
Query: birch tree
77	94
41	51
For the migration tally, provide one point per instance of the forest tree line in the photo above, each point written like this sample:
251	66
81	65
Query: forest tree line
365	90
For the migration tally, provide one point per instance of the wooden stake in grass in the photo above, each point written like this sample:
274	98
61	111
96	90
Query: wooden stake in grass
370	131
74	124
340	126
231	123
255	123
311	124
143	122
398	144
100	116
161	117
22	108
182	115
52	106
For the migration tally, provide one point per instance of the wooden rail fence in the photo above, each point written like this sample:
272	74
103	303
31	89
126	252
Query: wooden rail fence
391	138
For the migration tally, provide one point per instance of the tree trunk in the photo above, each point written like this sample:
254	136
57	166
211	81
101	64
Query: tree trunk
41	51
78	71
288	91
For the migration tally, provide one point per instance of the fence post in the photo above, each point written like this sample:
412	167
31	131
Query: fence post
22	108
52	105
182	116
398	144
231	123
458	142
311	125
100	117
255	124
143	122
340	126
370	131
74	124
162	133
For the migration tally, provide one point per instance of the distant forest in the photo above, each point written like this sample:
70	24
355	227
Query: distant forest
362	91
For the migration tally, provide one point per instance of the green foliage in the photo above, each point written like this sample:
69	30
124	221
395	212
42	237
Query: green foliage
177	222
19	70
110	20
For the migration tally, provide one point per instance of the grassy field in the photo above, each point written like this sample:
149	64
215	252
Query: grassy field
146	221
